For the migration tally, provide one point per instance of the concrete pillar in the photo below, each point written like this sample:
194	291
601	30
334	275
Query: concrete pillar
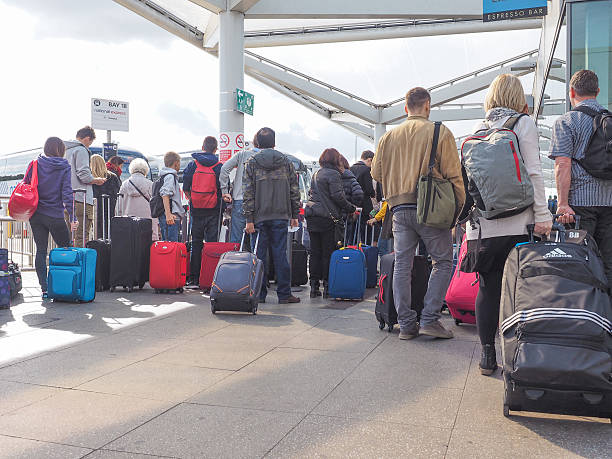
379	131
231	77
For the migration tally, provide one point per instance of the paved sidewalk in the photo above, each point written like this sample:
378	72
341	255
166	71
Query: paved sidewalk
140	375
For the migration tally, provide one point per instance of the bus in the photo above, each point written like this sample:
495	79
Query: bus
127	154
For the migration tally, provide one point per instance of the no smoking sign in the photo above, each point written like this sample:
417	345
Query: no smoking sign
230	143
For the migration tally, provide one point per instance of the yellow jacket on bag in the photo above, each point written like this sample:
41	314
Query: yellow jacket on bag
380	216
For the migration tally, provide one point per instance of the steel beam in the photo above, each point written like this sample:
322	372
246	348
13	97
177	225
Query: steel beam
365	132
379	31
216	6
348	9
211	34
242	5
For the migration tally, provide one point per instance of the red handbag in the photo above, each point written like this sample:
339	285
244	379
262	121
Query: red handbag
24	199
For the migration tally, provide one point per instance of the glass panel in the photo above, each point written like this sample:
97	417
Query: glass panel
592	43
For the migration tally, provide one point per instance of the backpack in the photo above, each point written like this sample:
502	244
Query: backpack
157	203
204	192
598	155
496	175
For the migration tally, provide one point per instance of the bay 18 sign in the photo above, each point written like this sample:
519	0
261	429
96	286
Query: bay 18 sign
500	10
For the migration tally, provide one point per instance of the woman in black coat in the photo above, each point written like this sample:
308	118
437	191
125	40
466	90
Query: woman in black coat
324	216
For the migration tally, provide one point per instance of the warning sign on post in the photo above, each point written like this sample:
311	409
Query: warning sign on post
230	143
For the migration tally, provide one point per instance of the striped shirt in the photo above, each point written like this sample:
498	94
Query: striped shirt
570	138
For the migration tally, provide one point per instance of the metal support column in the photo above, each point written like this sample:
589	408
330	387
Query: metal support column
379	131
231	77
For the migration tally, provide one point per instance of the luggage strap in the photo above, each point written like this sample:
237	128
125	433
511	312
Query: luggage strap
535	271
556	313
138	189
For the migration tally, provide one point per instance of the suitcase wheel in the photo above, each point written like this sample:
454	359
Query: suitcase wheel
457	321
212	308
506	411
180	290
390	328
112	289
130	289
381	325
157	290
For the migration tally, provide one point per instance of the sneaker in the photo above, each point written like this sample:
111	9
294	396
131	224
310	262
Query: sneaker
291	299
488	360
437	330
410	332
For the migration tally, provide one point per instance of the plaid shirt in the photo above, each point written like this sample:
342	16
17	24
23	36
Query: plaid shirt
570	138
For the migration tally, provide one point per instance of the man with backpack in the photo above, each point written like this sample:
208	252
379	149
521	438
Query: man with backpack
402	156
271	202
583	163
202	188
78	156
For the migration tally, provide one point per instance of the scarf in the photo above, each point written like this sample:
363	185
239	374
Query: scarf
498	113
114	168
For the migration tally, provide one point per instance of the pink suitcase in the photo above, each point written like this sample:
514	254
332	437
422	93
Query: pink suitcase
462	291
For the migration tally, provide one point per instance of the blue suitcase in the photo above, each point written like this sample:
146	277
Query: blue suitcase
72	274
5	291
347	274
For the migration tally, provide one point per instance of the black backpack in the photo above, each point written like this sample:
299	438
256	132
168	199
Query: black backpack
157	203
598	155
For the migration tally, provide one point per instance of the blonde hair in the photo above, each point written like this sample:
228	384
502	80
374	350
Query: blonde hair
505	91
98	166
139	165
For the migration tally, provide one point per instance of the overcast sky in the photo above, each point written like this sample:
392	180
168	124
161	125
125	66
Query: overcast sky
59	54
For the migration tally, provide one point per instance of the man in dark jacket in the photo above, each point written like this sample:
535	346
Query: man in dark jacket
271	201
205	201
361	169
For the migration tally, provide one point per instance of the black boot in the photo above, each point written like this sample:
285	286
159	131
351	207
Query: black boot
314	289
325	290
488	360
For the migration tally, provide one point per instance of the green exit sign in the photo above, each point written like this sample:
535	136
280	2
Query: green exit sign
245	102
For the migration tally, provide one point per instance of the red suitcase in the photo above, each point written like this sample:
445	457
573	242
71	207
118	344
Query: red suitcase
211	253
462	291
168	269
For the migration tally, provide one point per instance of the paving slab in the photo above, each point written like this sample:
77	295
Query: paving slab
13	447
284	379
79	418
108	454
62	369
196	431
396	402
328	437
336	340
14	395
156	380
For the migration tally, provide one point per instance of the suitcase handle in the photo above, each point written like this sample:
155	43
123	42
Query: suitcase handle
74	193
256	242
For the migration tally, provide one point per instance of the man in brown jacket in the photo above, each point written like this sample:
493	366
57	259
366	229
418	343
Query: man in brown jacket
401	158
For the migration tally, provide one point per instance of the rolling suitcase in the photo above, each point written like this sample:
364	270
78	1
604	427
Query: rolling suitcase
299	264
237	281
347	274
168	268
15	279
103	249
5	291
385	311
370	252
462	291
130	252
556	329
211	254
72	271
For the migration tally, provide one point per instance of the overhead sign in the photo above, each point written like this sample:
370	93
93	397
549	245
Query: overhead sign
245	102
230	143
110	115
501	10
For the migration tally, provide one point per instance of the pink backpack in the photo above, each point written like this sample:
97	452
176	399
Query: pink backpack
462	291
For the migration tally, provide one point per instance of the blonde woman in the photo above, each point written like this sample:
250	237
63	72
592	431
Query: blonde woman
110	187
135	194
504	99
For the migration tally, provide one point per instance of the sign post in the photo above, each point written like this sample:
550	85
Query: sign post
245	102
501	10
110	115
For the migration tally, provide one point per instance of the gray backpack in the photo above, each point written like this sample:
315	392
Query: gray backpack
495	172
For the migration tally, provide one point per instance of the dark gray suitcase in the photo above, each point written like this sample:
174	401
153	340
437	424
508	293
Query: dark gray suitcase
555	330
237	281
130	252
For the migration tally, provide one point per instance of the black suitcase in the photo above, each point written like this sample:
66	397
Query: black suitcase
237	282
15	279
299	264
130	252
103	249
556	330
385	311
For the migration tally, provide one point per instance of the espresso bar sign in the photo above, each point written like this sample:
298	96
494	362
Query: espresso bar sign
501	10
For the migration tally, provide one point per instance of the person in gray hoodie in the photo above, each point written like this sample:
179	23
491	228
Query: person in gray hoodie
171	195
77	155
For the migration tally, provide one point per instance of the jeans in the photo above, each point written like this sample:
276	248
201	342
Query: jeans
385	246
406	234
597	221
78	214
202	229
41	227
273	234
322	245
170	232
238	221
